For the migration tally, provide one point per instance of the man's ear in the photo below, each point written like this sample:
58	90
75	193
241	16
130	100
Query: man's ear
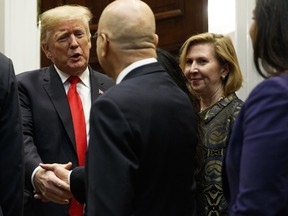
46	50
156	39
104	44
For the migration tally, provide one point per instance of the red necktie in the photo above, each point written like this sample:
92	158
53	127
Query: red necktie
78	118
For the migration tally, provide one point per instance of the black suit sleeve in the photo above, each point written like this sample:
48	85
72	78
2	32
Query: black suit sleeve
77	184
11	143
31	155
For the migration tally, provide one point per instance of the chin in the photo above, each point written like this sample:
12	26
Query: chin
196	90
77	70
79	65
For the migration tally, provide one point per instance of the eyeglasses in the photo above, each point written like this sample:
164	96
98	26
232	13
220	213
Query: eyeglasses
95	36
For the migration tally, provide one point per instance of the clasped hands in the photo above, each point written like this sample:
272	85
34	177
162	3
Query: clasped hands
52	184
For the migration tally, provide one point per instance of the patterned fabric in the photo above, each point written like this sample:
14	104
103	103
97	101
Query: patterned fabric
218	122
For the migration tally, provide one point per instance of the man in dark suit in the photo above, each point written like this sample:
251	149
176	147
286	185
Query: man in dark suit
143	134
11	143
48	128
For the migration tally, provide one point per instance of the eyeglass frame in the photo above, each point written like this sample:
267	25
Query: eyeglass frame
96	35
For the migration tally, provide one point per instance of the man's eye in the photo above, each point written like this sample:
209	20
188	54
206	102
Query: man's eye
79	34
62	39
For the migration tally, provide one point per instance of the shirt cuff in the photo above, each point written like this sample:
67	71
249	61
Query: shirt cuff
32	177
69	174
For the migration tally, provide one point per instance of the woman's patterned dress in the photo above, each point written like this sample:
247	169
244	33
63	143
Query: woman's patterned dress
218	123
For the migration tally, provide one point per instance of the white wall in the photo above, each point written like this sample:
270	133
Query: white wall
244	47
233	17
2	16
221	16
19	37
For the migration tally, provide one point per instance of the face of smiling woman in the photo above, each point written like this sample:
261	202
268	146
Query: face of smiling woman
69	46
204	71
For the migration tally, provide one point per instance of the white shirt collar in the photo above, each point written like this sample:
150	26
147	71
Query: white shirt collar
84	77
132	66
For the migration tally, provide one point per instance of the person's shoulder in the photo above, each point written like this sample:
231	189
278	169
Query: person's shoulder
101	76
98	74
3	58
5	63
271	92
32	73
234	101
281	80
6	76
273	85
33	79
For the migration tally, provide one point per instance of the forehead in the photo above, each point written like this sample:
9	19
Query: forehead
68	25
201	49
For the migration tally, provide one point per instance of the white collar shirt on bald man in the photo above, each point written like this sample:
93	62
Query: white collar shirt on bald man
132	66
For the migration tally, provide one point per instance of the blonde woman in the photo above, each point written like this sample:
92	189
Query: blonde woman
210	63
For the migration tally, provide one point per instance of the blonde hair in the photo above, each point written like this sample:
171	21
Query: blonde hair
224	53
51	18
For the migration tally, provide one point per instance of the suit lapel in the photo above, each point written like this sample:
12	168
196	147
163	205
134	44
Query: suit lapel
55	90
96	86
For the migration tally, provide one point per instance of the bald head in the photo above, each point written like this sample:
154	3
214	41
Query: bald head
126	34
130	24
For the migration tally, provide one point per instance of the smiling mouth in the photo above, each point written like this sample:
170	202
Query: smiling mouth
195	81
192	79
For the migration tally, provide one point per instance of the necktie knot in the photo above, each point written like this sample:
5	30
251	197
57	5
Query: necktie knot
73	80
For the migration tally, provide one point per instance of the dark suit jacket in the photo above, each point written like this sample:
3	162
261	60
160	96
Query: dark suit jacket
142	146
11	143
257	161
48	131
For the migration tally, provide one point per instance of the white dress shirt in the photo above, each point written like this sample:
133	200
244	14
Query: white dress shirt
132	66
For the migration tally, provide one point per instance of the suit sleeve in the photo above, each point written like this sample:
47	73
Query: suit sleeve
111	162
11	143
77	184
263	185
32	158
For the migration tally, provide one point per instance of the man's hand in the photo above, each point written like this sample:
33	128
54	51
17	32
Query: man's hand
50	187
60	170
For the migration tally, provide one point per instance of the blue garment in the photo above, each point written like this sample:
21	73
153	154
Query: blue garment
257	160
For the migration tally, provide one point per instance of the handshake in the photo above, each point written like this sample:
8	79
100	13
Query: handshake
51	183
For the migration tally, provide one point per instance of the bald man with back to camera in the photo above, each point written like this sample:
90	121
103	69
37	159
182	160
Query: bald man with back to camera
143	135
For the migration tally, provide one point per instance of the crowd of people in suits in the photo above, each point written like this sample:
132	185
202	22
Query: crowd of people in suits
153	135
